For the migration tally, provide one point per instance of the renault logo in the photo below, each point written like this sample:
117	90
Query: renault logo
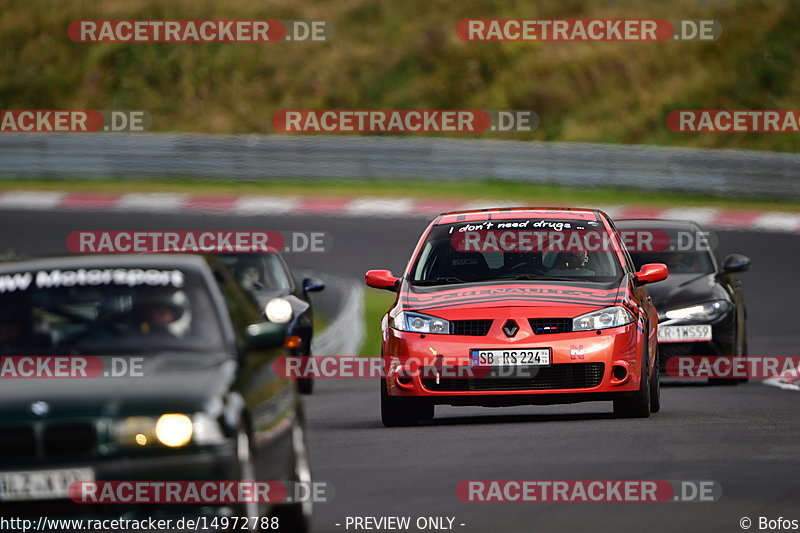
40	408
510	328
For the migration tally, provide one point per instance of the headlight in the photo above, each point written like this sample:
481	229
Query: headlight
419	323
610	317
278	311
172	429
704	311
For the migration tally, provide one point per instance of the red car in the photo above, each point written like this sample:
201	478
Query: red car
519	306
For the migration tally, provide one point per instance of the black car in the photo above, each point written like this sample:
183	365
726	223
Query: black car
701	309
205	404
268	278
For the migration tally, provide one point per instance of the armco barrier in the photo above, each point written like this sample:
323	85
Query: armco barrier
730	173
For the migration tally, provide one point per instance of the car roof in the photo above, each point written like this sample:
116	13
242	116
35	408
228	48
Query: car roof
179	261
652	223
502	213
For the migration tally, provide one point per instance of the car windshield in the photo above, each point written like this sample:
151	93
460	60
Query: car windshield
516	250
258	271
106	312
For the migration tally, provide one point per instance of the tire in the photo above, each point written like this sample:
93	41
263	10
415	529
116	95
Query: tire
655	387
296	517
636	405
398	412
746	379
247	472
305	385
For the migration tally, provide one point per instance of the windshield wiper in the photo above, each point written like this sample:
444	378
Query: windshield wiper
440	281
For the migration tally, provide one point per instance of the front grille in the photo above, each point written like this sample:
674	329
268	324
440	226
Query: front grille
545	326
559	376
52	440
17	442
475	328
65	440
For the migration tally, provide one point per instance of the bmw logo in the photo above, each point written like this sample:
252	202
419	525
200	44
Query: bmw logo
40	408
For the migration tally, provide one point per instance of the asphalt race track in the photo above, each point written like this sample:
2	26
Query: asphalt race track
746	437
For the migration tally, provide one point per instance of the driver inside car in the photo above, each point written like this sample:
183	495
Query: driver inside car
159	312
571	263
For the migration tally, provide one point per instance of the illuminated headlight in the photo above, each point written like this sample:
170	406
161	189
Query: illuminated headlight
419	323
705	311
610	317
172	429
278	311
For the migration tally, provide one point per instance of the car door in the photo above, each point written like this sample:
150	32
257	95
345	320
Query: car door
271	402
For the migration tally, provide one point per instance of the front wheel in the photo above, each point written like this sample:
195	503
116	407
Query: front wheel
247	471
305	385
655	387
638	404
397	412
296	517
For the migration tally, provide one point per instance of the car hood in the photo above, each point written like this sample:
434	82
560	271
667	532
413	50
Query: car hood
179	382
588	295
680	290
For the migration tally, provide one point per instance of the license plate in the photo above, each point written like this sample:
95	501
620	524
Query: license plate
41	484
518	357
696	333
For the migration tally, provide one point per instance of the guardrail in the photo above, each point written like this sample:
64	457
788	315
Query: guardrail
730	173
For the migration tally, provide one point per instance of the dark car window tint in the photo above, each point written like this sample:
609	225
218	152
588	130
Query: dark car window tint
258	271
241	305
95	312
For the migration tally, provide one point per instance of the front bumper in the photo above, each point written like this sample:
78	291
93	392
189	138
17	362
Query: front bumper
585	366
723	342
218	463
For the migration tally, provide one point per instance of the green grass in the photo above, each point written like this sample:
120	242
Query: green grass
388	54
522	194
376	303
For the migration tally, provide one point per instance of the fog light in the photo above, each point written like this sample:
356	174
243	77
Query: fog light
619	372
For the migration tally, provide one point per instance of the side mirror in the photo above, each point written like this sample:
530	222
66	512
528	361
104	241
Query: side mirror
735	263
650	273
264	335
313	285
382	279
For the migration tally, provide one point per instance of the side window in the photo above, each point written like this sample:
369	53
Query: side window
241	305
286	274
